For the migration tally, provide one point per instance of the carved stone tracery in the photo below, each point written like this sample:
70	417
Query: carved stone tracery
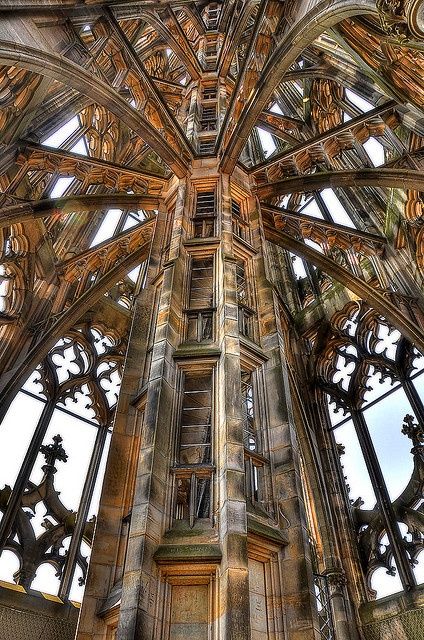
84	369
359	353
402	19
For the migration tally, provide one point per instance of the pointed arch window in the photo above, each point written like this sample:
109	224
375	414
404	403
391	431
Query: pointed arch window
53	447
375	377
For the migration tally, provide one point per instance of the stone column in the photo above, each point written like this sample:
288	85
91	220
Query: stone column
140	588
298	600
235	622
108	554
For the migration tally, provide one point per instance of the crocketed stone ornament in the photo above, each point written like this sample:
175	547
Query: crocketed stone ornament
414	11
402	19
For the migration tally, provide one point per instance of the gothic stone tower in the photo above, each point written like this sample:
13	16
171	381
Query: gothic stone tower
218	543
218	472
274	283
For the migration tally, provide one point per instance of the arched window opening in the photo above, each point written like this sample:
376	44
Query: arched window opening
372	377
53	448
60	137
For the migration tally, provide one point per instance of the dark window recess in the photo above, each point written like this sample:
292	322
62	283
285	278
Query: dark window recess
254	479
201	286
205	204
247	401
196	421
199	326
211	54
245	322
208	121
204	227
211	48
245	314
206	146
235	208
212	17
241	284
200	313
209	92
240	226
193	499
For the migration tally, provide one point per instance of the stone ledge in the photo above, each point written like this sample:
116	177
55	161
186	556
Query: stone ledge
198	350
263	530
169	553
392	606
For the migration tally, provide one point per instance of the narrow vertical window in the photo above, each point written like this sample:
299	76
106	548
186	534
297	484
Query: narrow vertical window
255	463
196	416
239	221
199	312
204	214
245	313
249	427
193	471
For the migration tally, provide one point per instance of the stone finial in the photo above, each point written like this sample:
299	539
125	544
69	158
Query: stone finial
52	452
415	432
402	19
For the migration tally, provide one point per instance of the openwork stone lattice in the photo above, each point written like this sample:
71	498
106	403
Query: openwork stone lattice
33	550
82	370
361	350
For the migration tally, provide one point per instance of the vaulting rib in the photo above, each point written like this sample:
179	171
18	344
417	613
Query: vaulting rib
11	381
232	37
148	84
109	245
359	287
153	181
240	89
25	211
172	33
307	144
374	241
307	28
193	13
63	70
390	178
42	5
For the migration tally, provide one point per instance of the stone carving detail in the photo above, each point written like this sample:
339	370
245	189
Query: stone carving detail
403	66
111	57
336	580
402	19
86	170
17	87
102	131
15	272
84	368
356	342
415	433
325	97
361	349
257	57
59	523
370	523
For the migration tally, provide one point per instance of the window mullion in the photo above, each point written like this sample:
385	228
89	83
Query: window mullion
14	502
414	399
383	498
192	499
81	519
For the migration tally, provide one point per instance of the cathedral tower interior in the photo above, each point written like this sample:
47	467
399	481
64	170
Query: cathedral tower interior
211	320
